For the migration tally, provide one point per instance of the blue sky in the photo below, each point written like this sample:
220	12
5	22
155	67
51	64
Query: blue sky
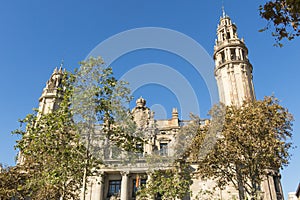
37	35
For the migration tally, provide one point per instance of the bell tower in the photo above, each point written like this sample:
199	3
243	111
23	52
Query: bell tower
52	93
50	98
233	70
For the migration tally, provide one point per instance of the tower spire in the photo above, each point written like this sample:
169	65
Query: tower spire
61	63
233	70
223	10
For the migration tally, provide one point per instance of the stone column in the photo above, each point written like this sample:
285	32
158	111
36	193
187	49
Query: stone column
99	187
150	197
124	185
241	53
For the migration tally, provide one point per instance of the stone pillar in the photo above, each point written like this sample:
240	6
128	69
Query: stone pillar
149	179
271	187
101	192
124	185
99	189
242	55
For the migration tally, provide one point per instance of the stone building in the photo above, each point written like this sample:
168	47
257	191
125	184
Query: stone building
233	72
294	195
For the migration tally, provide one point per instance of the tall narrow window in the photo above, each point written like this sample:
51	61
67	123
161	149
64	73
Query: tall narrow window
140	150
228	35
114	188
163	149
223	57
115	152
232	54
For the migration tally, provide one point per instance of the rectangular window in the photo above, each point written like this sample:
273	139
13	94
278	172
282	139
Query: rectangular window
140	150
137	185
232	54
163	149
114	188
223	57
115	152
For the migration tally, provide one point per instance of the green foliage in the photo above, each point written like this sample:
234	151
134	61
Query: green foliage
170	183
100	99
171	177
56	155
255	139
284	16
12	183
51	152
173	181
206	195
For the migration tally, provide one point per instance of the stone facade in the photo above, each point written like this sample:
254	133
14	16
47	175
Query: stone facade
233	73
292	196
295	195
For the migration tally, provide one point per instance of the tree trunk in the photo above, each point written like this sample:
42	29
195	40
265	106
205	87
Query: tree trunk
86	165
240	183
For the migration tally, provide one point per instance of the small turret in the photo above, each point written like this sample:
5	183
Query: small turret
174	113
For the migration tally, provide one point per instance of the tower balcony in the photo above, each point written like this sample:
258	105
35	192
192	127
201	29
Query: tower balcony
223	63
229	43
51	93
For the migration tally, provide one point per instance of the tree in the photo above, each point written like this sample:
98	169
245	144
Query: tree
170	183
56	154
11	183
171	176
52	153
99	106
284	16
254	139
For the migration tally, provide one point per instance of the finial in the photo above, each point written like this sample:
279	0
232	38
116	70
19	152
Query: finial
140	102
223	10
61	64
174	110
55	70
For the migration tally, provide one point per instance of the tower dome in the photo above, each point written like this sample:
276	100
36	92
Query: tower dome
140	102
